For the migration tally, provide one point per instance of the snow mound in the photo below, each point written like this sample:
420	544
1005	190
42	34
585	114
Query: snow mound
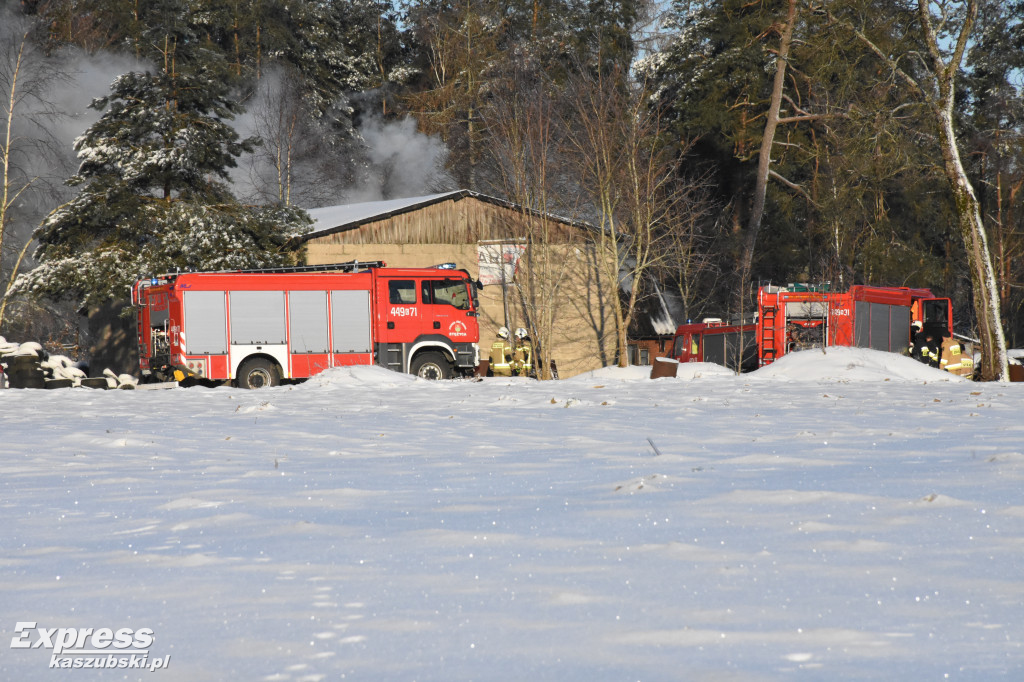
851	364
619	374
699	370
360	375
686	371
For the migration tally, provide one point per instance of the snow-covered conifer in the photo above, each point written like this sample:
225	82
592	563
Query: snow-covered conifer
153	186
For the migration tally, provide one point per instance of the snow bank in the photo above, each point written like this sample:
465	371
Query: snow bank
359	375
851	364
834	364
617	374
687	371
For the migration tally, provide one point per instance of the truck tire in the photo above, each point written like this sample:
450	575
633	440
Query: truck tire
257	373
431	366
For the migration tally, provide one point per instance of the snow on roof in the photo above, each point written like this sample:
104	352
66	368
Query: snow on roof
332	218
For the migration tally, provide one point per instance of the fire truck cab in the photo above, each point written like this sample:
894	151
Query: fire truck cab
259	327
713	340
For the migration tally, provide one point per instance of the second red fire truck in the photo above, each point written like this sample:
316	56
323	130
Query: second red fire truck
258	327
798	317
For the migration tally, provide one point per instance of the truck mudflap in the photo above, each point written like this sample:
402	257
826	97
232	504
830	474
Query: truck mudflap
467	355
399	356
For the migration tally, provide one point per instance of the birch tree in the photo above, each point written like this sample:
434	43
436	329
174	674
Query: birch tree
772	120
944	28
28	154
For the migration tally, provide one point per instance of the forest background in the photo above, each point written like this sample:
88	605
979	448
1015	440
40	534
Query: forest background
720	143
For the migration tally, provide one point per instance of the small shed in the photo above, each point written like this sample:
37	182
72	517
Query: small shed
538	270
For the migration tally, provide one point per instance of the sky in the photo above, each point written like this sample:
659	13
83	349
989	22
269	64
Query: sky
849	515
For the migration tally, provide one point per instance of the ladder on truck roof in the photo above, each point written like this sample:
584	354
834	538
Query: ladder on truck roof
168	277
349	266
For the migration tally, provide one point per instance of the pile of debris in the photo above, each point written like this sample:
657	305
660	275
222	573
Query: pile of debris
28	365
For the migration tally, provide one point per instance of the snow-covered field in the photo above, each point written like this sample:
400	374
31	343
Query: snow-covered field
849	516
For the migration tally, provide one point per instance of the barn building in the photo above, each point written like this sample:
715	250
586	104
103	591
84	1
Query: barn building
539	271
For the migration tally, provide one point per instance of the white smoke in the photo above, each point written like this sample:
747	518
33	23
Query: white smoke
299	162
51	94
91	78
403	162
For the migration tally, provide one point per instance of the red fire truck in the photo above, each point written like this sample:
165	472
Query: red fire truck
259	327
800	316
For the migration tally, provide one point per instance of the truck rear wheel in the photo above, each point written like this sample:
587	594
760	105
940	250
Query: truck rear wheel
257	373
431	366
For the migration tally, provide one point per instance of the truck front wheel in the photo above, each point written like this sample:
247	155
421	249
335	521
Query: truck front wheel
431	366
257	373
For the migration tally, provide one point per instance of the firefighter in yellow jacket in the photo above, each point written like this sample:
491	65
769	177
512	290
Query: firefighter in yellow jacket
502	355
523	363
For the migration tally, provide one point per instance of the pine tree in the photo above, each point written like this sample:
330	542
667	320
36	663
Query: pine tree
713	78
850	186
153	176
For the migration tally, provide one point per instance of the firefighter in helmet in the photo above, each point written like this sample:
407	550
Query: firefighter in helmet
917	349
502	354
931	350
523	363
926	349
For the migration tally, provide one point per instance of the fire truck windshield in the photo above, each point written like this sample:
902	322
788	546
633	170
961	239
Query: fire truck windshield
446	292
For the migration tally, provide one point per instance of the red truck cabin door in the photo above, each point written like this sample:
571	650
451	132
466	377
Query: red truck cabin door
686	347
447	309
399	313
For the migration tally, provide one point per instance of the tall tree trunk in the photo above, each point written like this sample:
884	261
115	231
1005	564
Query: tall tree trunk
983	276
938	90
764	160
968	209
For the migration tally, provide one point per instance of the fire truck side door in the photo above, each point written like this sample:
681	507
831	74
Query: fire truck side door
400	311
205	324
